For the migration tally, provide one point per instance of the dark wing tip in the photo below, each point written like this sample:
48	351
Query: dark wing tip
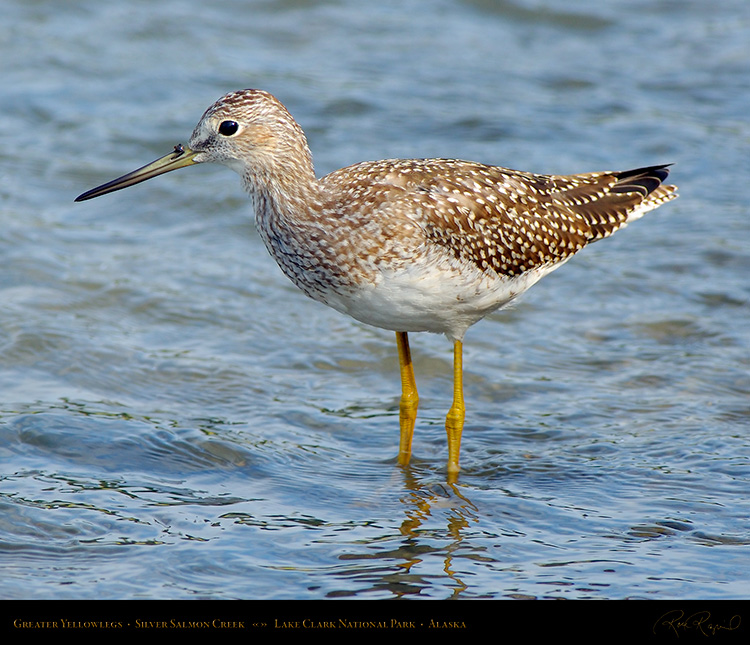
643	180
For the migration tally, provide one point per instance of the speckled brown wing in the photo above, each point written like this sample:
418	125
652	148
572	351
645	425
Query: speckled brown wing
508	221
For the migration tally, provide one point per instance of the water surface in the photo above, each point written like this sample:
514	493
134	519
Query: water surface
177	421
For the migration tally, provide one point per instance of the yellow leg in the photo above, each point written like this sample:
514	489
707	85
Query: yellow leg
454	422
409	398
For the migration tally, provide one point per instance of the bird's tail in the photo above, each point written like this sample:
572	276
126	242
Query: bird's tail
649	183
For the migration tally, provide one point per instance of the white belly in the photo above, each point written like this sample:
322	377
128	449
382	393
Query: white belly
445	300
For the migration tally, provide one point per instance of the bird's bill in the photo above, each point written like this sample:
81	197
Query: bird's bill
180	157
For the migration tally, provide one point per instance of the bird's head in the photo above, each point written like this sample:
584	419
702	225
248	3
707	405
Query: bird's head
249	131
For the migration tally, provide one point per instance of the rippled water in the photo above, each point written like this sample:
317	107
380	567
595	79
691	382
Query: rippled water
177	421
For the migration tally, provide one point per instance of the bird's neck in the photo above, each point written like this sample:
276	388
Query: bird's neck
291	219
285	188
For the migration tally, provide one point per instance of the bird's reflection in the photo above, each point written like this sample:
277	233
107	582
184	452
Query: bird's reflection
420	504
436	517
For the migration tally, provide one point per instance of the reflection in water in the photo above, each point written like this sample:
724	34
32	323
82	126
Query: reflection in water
420	504
424	507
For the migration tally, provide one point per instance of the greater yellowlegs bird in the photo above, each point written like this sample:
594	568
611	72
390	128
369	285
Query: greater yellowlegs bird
406	244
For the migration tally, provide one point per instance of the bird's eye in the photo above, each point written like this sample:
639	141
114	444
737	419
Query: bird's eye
228	128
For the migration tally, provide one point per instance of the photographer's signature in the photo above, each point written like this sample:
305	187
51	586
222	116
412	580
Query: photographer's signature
678	622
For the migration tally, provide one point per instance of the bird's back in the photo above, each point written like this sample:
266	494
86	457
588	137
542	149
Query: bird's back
501	220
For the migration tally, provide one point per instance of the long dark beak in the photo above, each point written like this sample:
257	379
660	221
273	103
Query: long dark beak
181	156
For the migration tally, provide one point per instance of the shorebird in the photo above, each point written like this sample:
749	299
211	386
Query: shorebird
407	245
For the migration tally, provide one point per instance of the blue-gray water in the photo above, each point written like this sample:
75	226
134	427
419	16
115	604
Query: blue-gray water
177	421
